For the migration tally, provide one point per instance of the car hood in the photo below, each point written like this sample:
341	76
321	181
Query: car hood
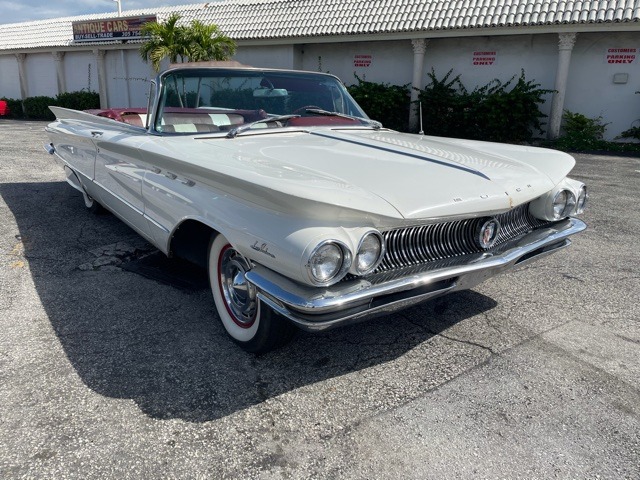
382	172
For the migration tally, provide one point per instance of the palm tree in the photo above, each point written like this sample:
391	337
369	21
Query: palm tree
165	40
196	42
207	42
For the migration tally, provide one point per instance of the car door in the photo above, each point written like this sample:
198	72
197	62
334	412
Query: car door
119	171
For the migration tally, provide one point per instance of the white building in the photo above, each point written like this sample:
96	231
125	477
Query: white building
586	50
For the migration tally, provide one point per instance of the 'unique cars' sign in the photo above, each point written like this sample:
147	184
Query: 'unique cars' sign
121	28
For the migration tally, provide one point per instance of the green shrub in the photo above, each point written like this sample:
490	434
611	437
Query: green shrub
445	104
633	132
386	103
510	114
15	107
581	133
80	100
38	107
500	112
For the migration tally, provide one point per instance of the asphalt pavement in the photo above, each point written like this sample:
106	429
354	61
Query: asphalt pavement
109	370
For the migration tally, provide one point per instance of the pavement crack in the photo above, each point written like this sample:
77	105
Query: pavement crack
468	342
572	277
450	338
81	234
490	324
630	340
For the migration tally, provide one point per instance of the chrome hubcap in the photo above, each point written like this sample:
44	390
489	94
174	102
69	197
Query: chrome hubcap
239	295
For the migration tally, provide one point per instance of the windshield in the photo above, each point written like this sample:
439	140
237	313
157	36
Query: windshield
200	101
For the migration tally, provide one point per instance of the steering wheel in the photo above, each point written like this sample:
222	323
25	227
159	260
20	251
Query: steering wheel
304	109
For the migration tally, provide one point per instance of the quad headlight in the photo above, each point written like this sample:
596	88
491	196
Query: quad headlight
568	198
583	197
331	259
564	204
370	253
328	263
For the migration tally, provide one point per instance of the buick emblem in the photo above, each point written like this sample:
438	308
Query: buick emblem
488	233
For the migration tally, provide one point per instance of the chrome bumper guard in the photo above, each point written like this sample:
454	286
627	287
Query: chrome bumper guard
314	309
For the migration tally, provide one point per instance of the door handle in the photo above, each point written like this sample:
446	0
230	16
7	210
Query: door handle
95	134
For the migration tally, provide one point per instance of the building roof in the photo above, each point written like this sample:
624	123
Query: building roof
289	19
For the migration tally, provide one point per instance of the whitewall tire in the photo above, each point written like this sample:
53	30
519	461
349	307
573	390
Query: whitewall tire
252	325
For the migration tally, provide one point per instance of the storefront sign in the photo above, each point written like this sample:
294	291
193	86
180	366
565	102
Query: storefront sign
126	28
361	61
621	55
484	58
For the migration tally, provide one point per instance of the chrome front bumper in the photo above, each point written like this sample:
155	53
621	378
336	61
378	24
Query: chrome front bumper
313	309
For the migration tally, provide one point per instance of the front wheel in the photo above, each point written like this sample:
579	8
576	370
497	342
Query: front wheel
251	324
92	205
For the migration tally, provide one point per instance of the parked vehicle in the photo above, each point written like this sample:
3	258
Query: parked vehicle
4	108
304	211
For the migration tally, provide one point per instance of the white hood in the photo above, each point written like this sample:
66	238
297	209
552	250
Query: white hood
382	172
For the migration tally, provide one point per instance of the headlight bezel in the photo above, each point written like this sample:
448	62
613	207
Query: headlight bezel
338	273
542	207
568	206
582	200
380	254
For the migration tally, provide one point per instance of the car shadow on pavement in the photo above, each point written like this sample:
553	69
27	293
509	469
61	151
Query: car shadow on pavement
161	345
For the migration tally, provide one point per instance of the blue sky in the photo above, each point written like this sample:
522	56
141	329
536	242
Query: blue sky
26	10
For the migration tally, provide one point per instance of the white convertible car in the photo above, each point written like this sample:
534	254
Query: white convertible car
304	211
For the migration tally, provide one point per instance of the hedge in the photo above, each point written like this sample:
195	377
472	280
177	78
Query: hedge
37	108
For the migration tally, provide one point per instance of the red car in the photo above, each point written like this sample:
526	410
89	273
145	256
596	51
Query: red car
4	108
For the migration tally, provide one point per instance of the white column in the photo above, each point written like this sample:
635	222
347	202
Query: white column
58	58
566	41
22	74
419	49
125	76
102	79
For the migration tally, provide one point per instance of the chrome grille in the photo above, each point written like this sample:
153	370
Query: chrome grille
428	243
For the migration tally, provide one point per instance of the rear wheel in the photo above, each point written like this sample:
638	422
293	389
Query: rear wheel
252	325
